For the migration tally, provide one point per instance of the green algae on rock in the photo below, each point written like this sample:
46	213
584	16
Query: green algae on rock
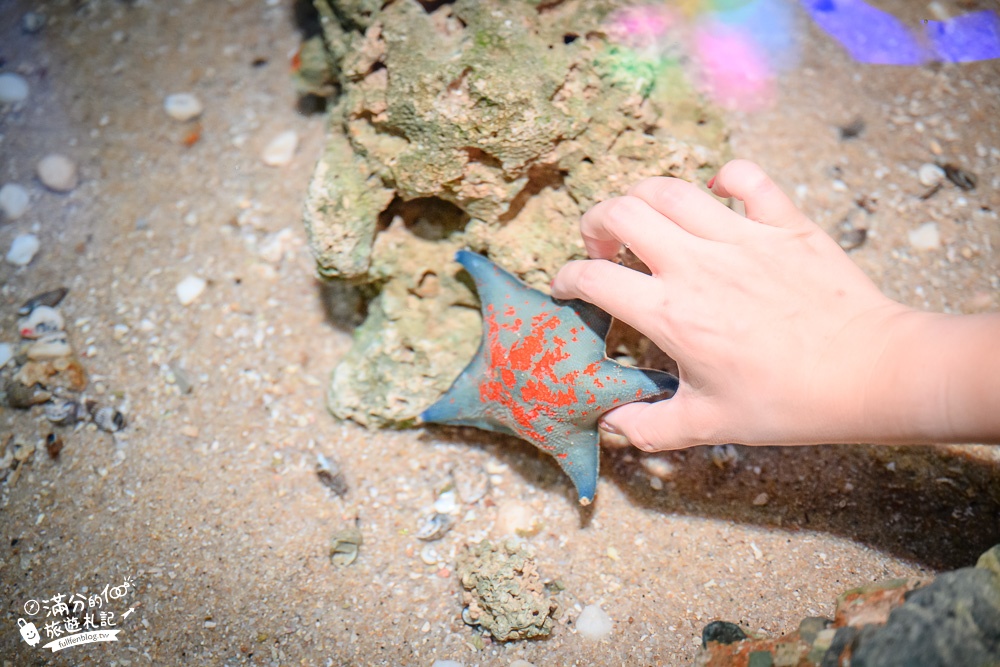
517	115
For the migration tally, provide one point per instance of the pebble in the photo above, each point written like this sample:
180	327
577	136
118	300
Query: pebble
281	150
33	22
6	354
57	172
23	250
515	518
925	237
13	200
593	623
13	88
761	500
183	106
190	289
447	663
930	174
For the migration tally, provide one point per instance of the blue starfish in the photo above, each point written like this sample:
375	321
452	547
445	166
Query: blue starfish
541	373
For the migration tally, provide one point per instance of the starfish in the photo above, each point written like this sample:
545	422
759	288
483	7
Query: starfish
541	374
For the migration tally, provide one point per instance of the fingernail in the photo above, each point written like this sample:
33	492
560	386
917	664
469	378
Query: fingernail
710	183
610	428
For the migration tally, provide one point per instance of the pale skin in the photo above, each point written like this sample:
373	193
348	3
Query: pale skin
780	338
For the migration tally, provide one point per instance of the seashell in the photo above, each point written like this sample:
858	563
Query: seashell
109	419
52	298
17	395
434	527
50	346
40	321
62	411
344	546
330	475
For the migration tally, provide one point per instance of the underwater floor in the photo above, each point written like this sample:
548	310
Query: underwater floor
205	512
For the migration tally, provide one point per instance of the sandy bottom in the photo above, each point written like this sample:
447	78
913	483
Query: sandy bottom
209	500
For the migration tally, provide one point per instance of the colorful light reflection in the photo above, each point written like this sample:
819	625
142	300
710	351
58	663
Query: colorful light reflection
733	50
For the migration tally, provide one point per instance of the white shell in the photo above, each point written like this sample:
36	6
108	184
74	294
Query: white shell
183	106
23	250
50	346
40	321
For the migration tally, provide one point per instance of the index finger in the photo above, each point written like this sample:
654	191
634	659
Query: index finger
631	222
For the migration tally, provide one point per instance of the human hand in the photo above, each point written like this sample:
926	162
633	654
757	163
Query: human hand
776	332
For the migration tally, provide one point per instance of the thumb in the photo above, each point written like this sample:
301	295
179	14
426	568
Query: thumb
654	427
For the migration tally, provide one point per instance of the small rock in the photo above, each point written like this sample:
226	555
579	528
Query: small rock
281	150
13	88
33	22
593	623
447	663
274	248
760	500
447	502
930	174
57	172
6	354
515	518
13	200
190	289
183	106
925	237
23	250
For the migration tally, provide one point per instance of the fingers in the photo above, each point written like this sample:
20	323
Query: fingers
631	222
690	208
764	201
603	283
673	423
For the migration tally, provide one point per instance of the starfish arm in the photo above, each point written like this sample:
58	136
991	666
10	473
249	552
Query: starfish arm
579	456
493	284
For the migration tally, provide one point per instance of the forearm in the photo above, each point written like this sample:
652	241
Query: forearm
937	380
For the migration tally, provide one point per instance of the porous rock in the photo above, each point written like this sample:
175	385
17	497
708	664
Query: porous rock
485	124
503	592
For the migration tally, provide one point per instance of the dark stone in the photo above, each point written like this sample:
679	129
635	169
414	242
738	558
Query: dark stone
760	659
841	641
955	620
812	626
722	632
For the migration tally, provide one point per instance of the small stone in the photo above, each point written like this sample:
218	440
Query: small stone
57	172
6	354
23	250
925	237
656	483
189	431
13	88
761	500
33	22
515	518
280	151
183	106
593	623
277	245
210	624
190	289
930	174
13	200
447	663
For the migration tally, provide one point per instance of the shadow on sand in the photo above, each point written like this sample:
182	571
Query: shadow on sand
938	506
